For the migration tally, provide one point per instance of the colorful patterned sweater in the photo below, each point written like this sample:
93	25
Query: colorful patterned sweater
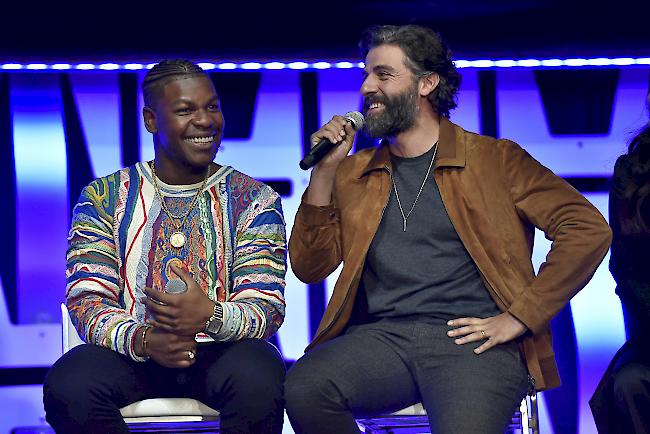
119	245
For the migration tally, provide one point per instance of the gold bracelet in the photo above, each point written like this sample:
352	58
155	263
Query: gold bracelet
144	340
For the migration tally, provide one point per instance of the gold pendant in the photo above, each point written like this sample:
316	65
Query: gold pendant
177	240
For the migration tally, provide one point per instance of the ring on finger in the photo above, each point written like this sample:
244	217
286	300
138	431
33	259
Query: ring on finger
191	355
483	335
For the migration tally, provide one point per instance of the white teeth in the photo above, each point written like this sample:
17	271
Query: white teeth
376	105
201	140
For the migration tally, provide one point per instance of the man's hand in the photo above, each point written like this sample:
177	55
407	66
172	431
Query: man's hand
321	182
494	330
169	349
182	314
337	130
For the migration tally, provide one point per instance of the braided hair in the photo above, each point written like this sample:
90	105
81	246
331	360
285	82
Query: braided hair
165	72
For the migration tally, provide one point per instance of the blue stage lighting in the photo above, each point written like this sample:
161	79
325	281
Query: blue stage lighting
574	62
275	65
207	65
251	65
298	65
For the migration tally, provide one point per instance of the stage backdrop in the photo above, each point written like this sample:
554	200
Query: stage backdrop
59	130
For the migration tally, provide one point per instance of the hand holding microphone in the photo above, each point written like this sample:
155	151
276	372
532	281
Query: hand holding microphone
167	348
175	286
331	144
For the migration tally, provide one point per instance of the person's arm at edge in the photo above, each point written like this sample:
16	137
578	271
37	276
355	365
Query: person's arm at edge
92	290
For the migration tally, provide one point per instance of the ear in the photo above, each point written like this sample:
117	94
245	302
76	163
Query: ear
149	120
428	84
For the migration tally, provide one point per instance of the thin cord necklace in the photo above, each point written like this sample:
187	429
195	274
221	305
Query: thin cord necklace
399	203
178	238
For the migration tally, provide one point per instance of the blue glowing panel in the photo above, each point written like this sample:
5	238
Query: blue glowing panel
98	104
598	321
146	139
44	342
596	309
600	329
522	119
22	406
338	92
273	151
468	112
41	195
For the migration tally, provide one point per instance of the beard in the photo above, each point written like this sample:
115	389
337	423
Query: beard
398	115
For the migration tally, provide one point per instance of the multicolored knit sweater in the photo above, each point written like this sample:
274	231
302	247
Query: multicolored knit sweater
119	245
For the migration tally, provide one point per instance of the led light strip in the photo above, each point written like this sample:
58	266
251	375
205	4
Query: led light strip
299	65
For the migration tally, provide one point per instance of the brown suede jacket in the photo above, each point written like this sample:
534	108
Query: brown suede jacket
495	194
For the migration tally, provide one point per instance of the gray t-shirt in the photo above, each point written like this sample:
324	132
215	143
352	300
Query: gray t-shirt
425	272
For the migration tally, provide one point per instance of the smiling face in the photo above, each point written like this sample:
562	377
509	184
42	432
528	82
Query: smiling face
390	91
187	125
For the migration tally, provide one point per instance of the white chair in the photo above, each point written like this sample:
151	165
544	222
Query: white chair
414	419
159	414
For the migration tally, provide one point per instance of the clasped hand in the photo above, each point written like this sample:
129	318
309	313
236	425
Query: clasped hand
176	320
182	314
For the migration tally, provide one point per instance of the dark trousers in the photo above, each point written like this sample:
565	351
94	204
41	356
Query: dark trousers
87	386
382	367
621	403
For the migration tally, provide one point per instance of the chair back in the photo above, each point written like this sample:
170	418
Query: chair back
70	336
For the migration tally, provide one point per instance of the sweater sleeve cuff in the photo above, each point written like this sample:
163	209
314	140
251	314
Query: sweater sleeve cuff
529	312
131	336
312	215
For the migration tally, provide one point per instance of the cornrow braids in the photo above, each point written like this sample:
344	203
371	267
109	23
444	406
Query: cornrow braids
165	72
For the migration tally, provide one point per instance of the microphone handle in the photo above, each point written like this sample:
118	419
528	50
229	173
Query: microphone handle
316	154
175	286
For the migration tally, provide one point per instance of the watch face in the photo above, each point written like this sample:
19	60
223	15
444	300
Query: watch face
214	326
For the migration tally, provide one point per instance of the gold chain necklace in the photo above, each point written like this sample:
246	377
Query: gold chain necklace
399	204
178	238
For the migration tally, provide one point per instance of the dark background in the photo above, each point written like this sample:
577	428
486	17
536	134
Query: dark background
240	30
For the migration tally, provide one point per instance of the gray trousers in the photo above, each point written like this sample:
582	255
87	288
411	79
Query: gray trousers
385	366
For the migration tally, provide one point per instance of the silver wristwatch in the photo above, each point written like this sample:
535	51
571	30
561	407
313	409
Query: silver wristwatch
214	323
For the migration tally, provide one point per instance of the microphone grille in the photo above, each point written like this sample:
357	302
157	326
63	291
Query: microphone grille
356	119
175	286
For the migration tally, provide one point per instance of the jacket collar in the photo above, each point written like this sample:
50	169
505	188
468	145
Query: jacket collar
451	150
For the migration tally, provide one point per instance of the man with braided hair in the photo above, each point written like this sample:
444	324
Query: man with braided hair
179	221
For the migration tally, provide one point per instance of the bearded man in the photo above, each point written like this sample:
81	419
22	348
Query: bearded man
437	301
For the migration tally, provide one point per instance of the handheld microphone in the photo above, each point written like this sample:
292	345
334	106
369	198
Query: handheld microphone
322	148
175	286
